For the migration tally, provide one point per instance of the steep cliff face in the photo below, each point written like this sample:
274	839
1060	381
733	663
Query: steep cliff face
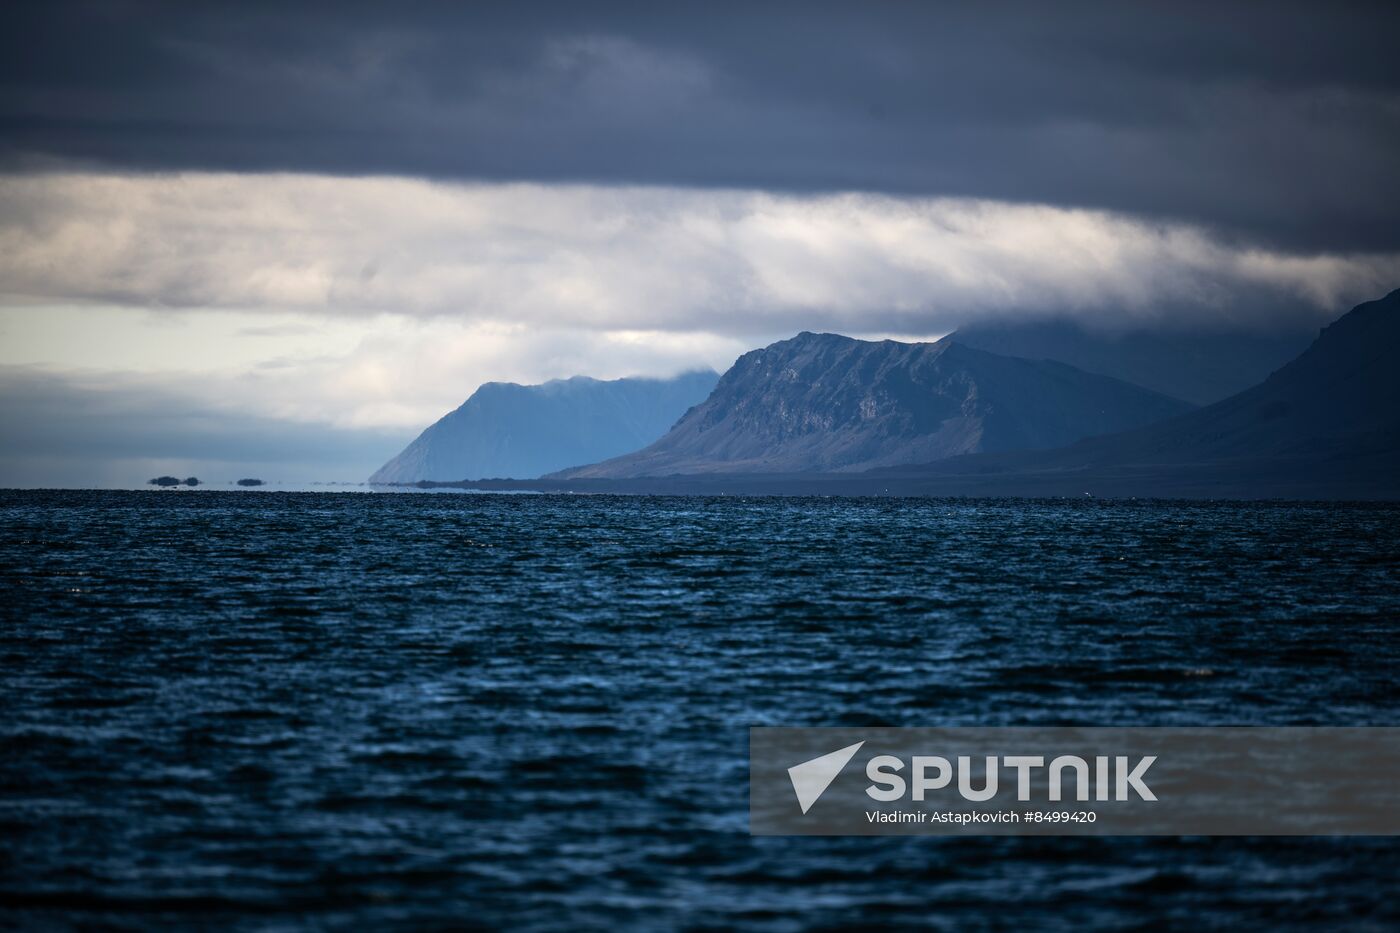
822	402
521	432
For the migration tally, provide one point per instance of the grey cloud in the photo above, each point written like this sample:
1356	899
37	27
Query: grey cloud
640	259
1279	124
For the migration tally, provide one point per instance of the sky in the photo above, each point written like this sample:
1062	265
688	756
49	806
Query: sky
280	239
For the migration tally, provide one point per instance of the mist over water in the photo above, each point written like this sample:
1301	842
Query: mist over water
374	711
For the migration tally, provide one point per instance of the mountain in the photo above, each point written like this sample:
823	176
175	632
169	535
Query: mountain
1326	425
1340	396
509	430
1201	368
822	402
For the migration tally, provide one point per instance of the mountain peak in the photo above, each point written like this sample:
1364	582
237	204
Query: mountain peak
821	402
808	338
522	431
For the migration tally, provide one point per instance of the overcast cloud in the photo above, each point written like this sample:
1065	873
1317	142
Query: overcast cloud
1274	122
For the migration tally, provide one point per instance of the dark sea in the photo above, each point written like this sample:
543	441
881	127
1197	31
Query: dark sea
265	710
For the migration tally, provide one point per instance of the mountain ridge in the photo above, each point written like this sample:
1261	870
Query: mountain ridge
505	429
1197	367
1326	426
826	402
1342	386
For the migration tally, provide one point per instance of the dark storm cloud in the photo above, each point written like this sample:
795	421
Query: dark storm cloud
1277	123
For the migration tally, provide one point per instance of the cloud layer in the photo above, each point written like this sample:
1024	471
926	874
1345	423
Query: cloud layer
1276	123
380	372
610	260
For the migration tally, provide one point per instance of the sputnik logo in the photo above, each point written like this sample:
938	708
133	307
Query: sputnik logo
811	778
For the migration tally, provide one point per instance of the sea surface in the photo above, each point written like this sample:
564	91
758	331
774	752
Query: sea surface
266	710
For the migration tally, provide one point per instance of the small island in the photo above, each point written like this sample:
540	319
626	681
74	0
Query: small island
174	481
250	482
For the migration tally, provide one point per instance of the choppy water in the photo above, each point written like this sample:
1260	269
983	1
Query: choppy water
270	710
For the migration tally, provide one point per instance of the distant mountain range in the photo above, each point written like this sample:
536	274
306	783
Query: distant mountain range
822	402
1325	425
518	431
1199	367
1329	420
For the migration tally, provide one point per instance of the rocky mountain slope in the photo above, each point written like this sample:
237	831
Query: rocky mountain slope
822	402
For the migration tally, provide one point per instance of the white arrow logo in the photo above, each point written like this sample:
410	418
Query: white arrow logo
811	778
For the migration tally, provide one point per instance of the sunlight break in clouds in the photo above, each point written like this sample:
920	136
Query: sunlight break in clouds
608	259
